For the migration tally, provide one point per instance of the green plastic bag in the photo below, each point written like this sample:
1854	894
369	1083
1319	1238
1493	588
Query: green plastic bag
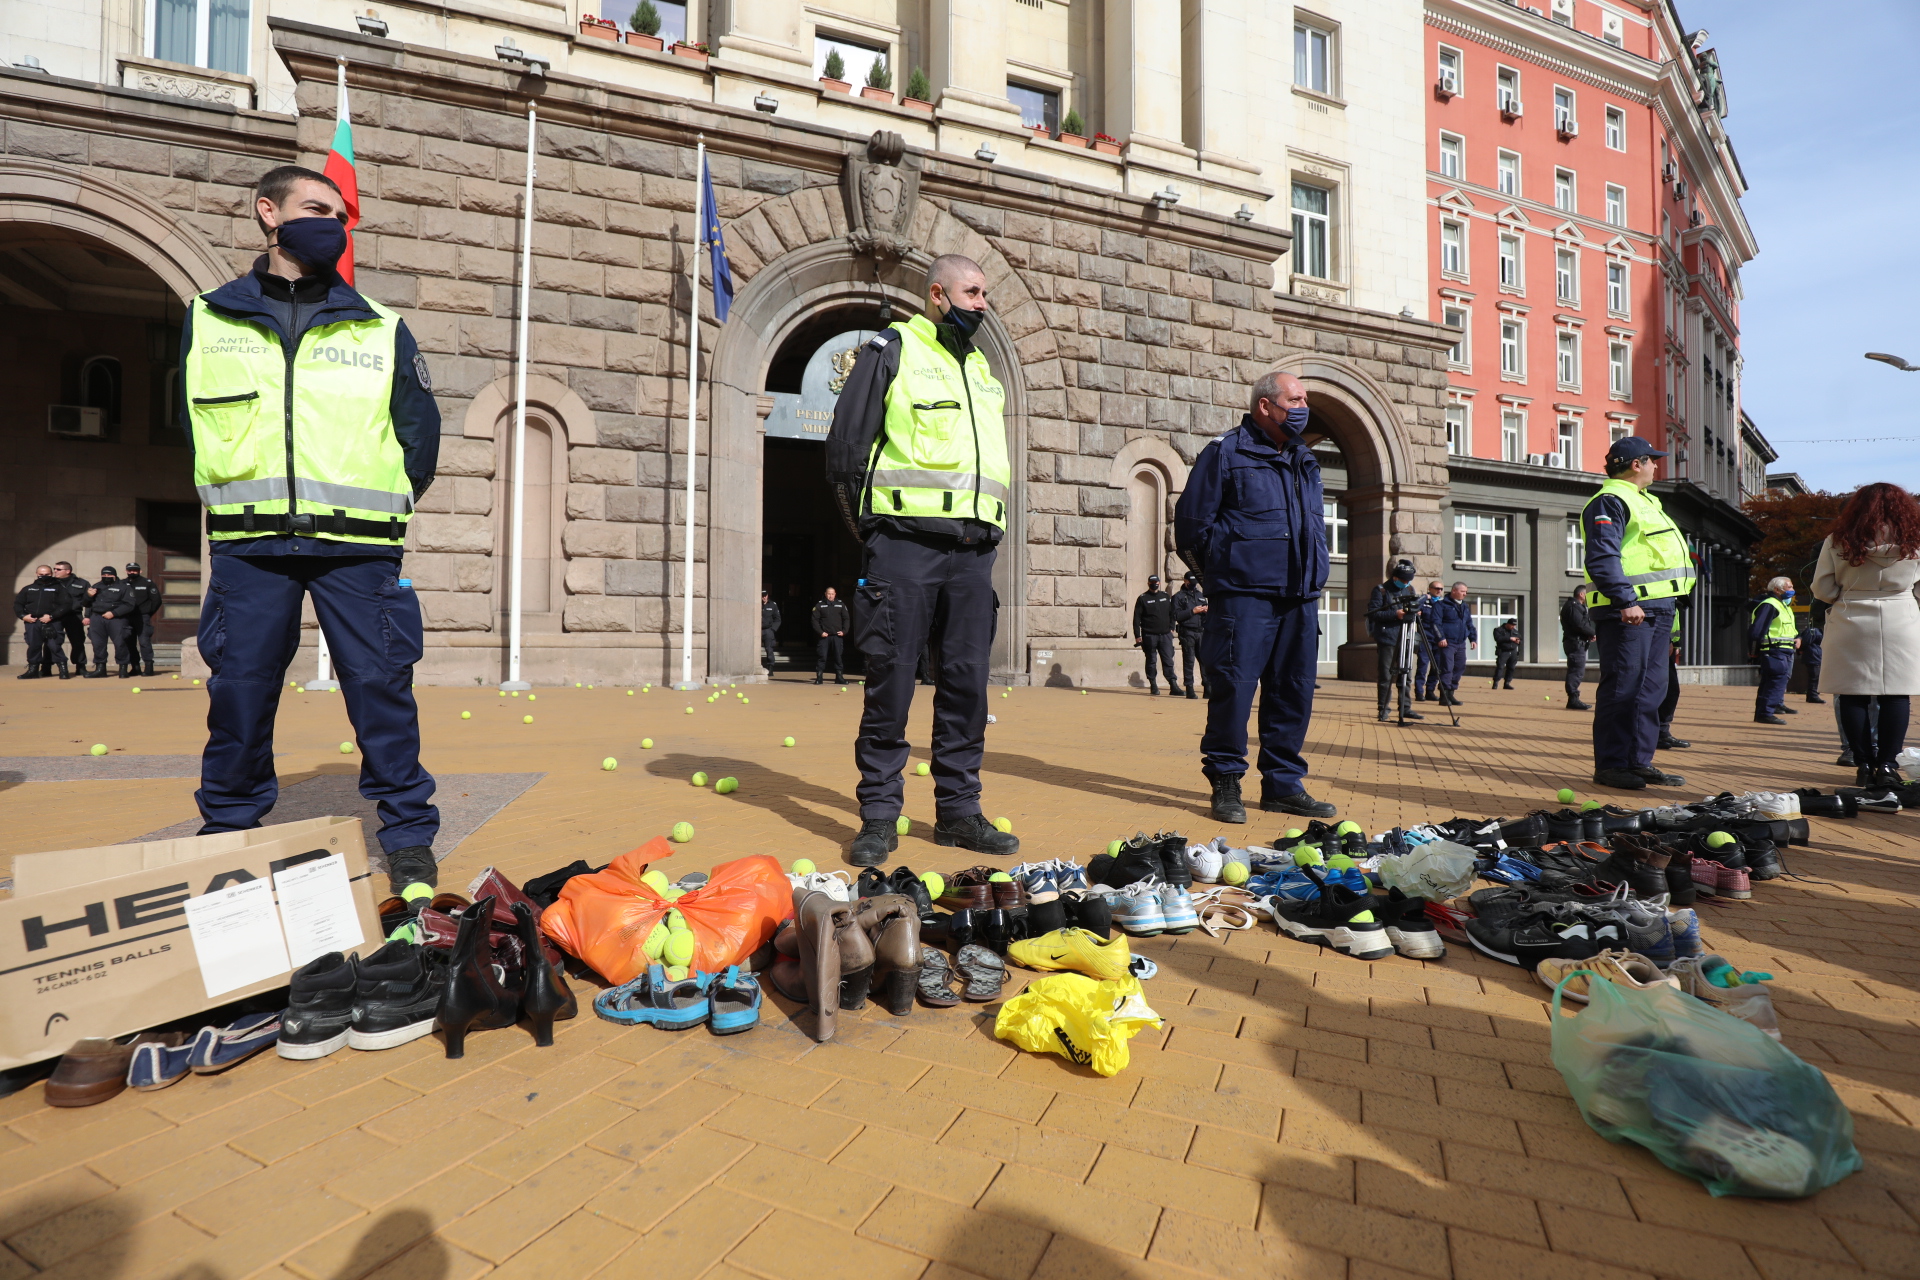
1712	1096
1080	1019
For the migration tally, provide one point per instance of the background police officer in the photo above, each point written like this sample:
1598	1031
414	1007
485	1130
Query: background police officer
1637	566
112	614
1450	632
74	621
917	458
146	598
1391	617
39	605
1189	620
830	623
291	352
1250	521
1153	632
1506	652
769	630
1774	635
1576	633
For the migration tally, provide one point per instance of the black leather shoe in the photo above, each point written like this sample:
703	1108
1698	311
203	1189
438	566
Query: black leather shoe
1299	803
1153	691
546	997
1411	715
975	833
1191	695
412	866
98	673
1577	705
397	996
149	670
1768	720
907	883
1384	718
872	883
1816	699
1226	803
1785	710
1138	859
31	673
481	992
1845	761
1624	779
878	837
1669	743
1659	778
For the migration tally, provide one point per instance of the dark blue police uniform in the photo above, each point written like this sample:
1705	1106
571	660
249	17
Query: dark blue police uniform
1633	659
1776	660
1250	522
1450	620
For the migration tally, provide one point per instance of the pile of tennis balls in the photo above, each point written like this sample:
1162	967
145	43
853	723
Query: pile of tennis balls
671	943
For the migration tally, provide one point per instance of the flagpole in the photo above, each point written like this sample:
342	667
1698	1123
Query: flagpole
325	678
693	401
514	595
323	657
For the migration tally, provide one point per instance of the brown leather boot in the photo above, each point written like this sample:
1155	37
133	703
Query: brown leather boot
892	923
832	960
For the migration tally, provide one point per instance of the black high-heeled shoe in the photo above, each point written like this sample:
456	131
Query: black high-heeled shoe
959	929
478	994
991	930
547	998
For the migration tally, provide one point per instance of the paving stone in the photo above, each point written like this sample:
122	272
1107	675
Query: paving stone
981	1243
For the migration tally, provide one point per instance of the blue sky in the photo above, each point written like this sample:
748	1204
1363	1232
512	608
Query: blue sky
1827	125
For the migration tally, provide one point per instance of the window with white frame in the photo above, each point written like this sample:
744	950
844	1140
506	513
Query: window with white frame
1567	358
1510	261
1576	548
1333	515
1617	288
1620	370
1566	276
1453	150
1513	434
1457	439
1567	454
1563	117
215	34
1449	69
1313	57
1616	205
1510	349
1479	538
1563	12
1453	248
1613	30
1456	318
1312	230
1616	129
1564	191
1509	175
1333	624
1618	431
1506	90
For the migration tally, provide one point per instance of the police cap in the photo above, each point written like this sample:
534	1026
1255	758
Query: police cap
1630	448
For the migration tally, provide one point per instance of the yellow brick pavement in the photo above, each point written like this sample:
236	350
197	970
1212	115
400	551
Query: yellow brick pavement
1300	1114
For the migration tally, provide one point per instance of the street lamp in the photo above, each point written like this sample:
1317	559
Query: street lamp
1895	361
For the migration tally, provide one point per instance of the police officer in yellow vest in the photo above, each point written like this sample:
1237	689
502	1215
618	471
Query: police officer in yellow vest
1637	567
917	458
314	431
1774	634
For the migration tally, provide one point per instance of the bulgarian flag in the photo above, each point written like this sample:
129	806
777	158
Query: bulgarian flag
339	167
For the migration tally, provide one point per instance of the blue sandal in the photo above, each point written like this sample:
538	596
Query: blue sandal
736	1002
654	1001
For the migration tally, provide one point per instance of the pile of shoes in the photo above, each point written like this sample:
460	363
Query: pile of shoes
94	1070
831	955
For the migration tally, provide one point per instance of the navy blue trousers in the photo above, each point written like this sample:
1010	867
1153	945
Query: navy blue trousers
1425	674
1449	664
1274	644
1776	668
249	632
1633	682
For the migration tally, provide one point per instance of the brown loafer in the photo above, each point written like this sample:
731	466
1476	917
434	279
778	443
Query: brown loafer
968	897
94	1070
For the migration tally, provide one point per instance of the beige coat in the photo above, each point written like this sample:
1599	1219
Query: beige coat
1872	642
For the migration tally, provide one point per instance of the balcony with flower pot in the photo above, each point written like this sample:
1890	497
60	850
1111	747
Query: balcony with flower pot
691	52
879	85
646	28
599	28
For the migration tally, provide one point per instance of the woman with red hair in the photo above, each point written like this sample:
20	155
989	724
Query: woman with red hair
1868	566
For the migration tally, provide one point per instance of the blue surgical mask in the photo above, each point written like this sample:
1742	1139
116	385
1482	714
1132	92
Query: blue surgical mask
967	322
1297	420
1786	595
317	242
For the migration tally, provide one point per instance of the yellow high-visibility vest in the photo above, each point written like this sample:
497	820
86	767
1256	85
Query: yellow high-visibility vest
944	451
1653	551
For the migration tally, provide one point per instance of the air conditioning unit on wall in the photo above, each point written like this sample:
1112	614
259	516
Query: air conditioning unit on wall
76	421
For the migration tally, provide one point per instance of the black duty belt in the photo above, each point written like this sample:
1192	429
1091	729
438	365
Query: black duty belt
338	523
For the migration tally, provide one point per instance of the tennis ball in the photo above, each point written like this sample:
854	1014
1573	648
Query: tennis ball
173	677
676	973
196	680
576	684
1564	795
526	719
1590	806
1234	873
98	748
674	893
656	880
532	698
935	885
136	688
1347	828
689	710
609	764
346	748
1293	833
787	742
923	769
699	779
501	693
1003	824
726	786
1000	877
1113	848
656	944
676	921
680	948
803	866
417	892
1003	693
629	693
901	825
516	693
466	715
1719	840
745	698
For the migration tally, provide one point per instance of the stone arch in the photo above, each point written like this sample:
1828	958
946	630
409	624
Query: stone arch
780	295
82	201
1149	533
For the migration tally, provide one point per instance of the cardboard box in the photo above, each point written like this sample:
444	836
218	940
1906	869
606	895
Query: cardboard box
97	942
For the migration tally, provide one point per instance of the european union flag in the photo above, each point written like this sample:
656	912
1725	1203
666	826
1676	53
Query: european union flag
716	247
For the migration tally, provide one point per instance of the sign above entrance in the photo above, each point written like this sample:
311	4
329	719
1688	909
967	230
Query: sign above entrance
809	414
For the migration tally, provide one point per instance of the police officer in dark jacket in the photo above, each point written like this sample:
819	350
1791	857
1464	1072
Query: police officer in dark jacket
74	622
1810	654
1392	612
1576	633
40	605
769	628
146	597
1153	632
1506	652
1450	630
1251	523
112	614
1189	620
830	623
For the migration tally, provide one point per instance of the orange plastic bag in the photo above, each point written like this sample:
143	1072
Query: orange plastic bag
604	918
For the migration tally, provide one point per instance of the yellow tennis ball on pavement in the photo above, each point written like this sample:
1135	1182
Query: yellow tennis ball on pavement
1564	795
516	693
609	764
136	688
576	684
346	748
98	748
923	768
466	715
646	744
1234	873
803	866
680	947
699	779
682	832
787	742
1003	824
689	710
533	697
727	786
526	719
196	680
902	825
629	693
500	693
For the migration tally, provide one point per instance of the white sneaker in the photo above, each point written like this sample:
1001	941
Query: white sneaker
1136	909
1205	861
1176	909
837	885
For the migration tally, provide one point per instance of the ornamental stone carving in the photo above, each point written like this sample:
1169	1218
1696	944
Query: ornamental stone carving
192	83
882	188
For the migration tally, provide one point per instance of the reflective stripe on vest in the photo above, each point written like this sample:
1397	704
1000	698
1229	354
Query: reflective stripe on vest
1783	628
321	420
1653	551
944	451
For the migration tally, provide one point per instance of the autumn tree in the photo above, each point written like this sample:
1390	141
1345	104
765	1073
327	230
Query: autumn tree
1792	527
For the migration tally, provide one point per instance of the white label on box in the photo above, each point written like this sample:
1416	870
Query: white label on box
236	935
316	906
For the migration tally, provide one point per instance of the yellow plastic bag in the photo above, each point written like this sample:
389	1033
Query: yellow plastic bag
1082	1020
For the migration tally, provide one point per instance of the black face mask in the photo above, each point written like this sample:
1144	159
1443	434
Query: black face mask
967	322
317	242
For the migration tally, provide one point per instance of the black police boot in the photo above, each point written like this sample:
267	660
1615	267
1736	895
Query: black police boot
1153	689
126	671
1624	779
1227	804
819	680
1299	803
1768	720
31	673
975	833
1668	742
1816	699
99	671
1191	694
878	837
412	866
1784	710
149	670
1408	713
1659	777
64	673
1574	704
